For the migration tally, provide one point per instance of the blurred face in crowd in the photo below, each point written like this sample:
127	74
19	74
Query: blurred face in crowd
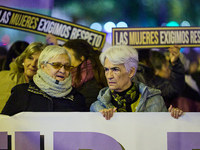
117	77
193	67
58	67
30	66
74	62
164	72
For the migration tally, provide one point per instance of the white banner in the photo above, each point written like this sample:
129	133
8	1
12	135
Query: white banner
90	131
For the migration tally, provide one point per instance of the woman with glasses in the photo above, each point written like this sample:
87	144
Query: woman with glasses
50	90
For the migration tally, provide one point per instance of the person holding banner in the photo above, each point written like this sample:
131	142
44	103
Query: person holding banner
123	95
88	75
179	90
151	68
50	90
51	39
22	70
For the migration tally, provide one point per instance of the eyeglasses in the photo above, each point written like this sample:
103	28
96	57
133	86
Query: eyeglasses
57	65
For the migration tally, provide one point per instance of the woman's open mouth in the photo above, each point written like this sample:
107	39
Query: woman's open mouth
60	76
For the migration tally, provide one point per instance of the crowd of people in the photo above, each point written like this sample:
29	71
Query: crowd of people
71	77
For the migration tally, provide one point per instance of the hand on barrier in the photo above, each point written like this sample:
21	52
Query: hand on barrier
108	113
175	112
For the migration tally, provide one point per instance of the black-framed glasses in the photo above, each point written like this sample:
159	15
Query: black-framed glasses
58	65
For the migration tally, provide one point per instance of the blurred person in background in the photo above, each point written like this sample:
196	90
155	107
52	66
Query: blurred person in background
3	55
15	50
88	73
169	74
193	67
154	72
22	70
145	71
188	98
196	75
50	90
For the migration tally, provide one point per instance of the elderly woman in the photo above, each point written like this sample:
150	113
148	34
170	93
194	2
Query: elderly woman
22	70
50	90
123	95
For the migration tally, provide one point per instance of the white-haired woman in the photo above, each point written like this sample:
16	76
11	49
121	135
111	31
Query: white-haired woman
123	95
50	90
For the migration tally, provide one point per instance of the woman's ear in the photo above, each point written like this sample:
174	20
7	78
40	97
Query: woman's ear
42	66
157	72
132	72
82	58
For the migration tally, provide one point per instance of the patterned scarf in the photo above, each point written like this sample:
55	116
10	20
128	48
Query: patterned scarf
124	102
52	86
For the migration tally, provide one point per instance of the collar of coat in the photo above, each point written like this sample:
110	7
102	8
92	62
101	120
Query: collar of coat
35	89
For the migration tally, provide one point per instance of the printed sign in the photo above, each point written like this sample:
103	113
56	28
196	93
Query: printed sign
41	24
90	131
157	37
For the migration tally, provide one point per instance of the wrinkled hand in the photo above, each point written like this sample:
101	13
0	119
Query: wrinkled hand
175	112
174	53
108	113
51	39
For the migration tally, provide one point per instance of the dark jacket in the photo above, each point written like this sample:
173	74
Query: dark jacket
144	74
170	88
196	77
90	90
173	86
28	97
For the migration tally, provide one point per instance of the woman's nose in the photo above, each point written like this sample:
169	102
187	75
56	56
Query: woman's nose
34	63
62	69
110	74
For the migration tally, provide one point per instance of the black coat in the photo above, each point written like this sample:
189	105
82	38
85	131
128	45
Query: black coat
28	97
90	90
170	88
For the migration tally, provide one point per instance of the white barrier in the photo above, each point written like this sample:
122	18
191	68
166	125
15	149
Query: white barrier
90	131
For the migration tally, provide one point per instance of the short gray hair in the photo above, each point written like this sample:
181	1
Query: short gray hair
121	54
51	51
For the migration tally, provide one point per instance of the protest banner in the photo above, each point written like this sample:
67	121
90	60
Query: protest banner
43	25
90	131
158	37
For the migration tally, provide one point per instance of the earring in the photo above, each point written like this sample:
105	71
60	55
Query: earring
23	64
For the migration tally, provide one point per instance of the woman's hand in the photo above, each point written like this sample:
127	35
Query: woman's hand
51	39
174	53
108	113
175	112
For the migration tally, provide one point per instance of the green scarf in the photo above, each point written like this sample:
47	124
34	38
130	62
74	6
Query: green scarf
124	102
